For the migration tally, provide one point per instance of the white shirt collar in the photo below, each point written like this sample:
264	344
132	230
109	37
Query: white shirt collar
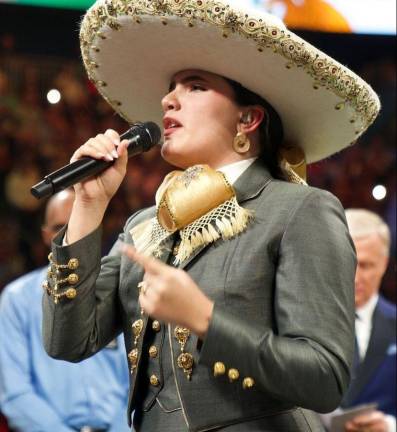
234	170
366	311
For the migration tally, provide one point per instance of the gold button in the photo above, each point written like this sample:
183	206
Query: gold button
50	256
219	369
137	327
156	326
233	374
73	278
153	351
154	381
71	293
73	264
248	383
133	357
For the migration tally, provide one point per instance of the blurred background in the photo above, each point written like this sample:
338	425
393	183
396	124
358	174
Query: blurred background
48	108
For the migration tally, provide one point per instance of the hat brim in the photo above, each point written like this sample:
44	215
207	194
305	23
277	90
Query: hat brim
131	50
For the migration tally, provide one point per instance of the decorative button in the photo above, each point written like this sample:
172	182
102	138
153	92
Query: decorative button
153	351
50	256
133	357
156	326
185	361
219	369
154	381
71	293
73	264
248	383
73	278
137	327
233	374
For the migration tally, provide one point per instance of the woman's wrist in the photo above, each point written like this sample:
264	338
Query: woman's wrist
85	218
201	323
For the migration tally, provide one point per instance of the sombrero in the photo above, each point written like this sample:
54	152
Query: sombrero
132	48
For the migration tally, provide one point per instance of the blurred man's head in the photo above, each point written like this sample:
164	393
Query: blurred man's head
57	214
371	238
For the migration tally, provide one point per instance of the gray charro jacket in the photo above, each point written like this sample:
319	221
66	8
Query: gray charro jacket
283	315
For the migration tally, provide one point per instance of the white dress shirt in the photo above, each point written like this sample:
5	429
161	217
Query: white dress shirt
234	170
364	324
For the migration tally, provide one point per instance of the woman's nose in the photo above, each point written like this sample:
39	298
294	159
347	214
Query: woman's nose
170	101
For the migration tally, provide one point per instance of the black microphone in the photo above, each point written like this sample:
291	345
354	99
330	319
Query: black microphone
142	137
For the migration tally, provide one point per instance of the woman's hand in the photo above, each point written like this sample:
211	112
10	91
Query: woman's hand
170	295
372	422
103	186
93	194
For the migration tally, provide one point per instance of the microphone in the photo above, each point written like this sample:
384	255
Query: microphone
142	137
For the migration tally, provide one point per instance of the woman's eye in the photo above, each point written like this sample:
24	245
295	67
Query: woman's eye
197	87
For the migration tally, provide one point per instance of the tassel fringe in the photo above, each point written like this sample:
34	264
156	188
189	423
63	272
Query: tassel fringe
225	221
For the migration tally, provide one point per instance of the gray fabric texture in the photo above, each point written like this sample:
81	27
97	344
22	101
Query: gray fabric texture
283	315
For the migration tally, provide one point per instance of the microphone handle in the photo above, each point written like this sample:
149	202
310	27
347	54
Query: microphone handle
80	169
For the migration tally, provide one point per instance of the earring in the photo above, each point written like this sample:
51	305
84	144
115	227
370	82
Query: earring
241	143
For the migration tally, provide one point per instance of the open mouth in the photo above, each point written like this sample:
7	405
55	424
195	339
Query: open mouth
170	125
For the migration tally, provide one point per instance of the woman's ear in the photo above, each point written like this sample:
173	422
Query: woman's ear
251	118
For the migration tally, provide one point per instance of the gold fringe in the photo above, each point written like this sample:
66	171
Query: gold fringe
148	237
225	221
202	231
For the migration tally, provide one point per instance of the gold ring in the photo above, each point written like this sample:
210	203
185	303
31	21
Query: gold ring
143	287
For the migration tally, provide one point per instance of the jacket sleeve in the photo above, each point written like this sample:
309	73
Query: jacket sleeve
305	359
74	329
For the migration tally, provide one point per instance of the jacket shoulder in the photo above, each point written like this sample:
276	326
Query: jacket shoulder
388	309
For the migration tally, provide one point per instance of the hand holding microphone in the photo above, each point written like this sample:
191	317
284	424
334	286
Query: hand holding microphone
105	157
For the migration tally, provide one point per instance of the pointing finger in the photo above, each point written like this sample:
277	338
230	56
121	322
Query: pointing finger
150	264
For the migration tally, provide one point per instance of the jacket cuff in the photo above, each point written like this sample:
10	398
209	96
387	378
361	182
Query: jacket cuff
70	265
221	351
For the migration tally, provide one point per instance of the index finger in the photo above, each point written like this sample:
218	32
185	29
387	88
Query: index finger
150	264
368	419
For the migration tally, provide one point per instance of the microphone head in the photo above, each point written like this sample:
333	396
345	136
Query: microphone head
153	130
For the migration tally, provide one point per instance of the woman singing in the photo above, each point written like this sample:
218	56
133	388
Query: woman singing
235	292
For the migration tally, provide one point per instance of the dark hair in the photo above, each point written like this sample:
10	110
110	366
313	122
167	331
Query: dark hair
271	131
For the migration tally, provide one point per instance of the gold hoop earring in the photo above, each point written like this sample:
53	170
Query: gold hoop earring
241	143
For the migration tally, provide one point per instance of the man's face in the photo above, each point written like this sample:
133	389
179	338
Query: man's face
371	266
57	215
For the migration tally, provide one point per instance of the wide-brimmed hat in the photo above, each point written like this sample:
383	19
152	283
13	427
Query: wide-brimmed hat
132	48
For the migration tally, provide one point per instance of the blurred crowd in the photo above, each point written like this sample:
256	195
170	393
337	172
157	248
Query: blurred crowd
37	137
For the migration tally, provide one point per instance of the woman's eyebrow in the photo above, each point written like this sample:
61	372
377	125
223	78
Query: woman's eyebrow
186	80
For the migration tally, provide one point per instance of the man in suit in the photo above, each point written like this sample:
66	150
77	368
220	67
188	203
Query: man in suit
375	371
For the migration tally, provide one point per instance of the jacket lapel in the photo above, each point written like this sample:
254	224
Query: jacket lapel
377	346
248	186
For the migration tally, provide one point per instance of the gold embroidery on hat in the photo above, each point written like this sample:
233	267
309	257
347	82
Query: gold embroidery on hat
324	71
